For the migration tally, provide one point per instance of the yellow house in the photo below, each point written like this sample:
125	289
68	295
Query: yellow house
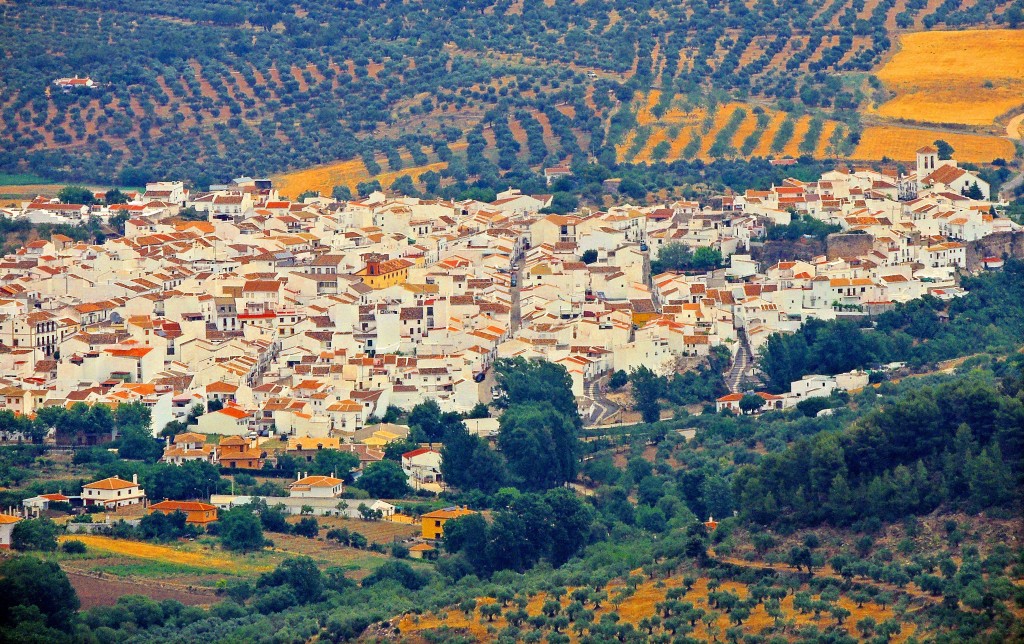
381	273
433	522
643	311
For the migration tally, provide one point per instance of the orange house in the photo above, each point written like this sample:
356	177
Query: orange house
195	512
236	452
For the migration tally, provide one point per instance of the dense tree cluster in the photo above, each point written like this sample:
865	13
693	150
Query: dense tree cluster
675	256
702	384
537	439
958	443
554	526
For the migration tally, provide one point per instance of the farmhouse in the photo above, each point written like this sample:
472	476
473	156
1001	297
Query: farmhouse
43	501
113	492
196	512
189	446
433	522
422	465
317	487
7	523
732	402
68	84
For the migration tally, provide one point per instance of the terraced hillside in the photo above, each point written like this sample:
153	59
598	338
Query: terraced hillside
206	90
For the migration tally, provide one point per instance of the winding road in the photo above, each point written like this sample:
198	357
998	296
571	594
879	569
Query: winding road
600	407
1014	131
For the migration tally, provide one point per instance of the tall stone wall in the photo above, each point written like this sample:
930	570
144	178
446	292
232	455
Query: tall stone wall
998	245
846	245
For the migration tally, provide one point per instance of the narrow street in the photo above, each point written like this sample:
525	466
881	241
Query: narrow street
740	365
516	315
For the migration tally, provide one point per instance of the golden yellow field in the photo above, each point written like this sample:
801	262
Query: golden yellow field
349	173
968	77
153	552
323	178
900	143
642	604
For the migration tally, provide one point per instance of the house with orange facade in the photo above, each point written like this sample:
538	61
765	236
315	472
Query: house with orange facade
196	512
238	452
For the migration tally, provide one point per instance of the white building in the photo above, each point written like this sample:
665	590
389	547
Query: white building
316	487
113	492
7	523
422	465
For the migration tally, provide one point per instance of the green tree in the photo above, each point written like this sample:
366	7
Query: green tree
138	444
973	192
398	571
307	527
240	530
468	462
750	403
648	387
34	534
341	193
673	256
365	188
34	592
76	195
490	611
618	379
479	410
384	479
332	462
866	626
426	417
570	527
301	574
945	149
524	381
839	613
706	258
589	256
115	196
539	444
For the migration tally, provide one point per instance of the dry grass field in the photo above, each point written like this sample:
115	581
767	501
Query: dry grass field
167	554
323	178
966	77
900	143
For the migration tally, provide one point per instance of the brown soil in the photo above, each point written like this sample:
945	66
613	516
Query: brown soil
299	78
204	85
105	592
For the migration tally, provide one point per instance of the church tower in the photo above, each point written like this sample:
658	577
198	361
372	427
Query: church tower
927	162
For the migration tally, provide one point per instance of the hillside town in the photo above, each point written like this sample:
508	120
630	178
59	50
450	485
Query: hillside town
307	321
